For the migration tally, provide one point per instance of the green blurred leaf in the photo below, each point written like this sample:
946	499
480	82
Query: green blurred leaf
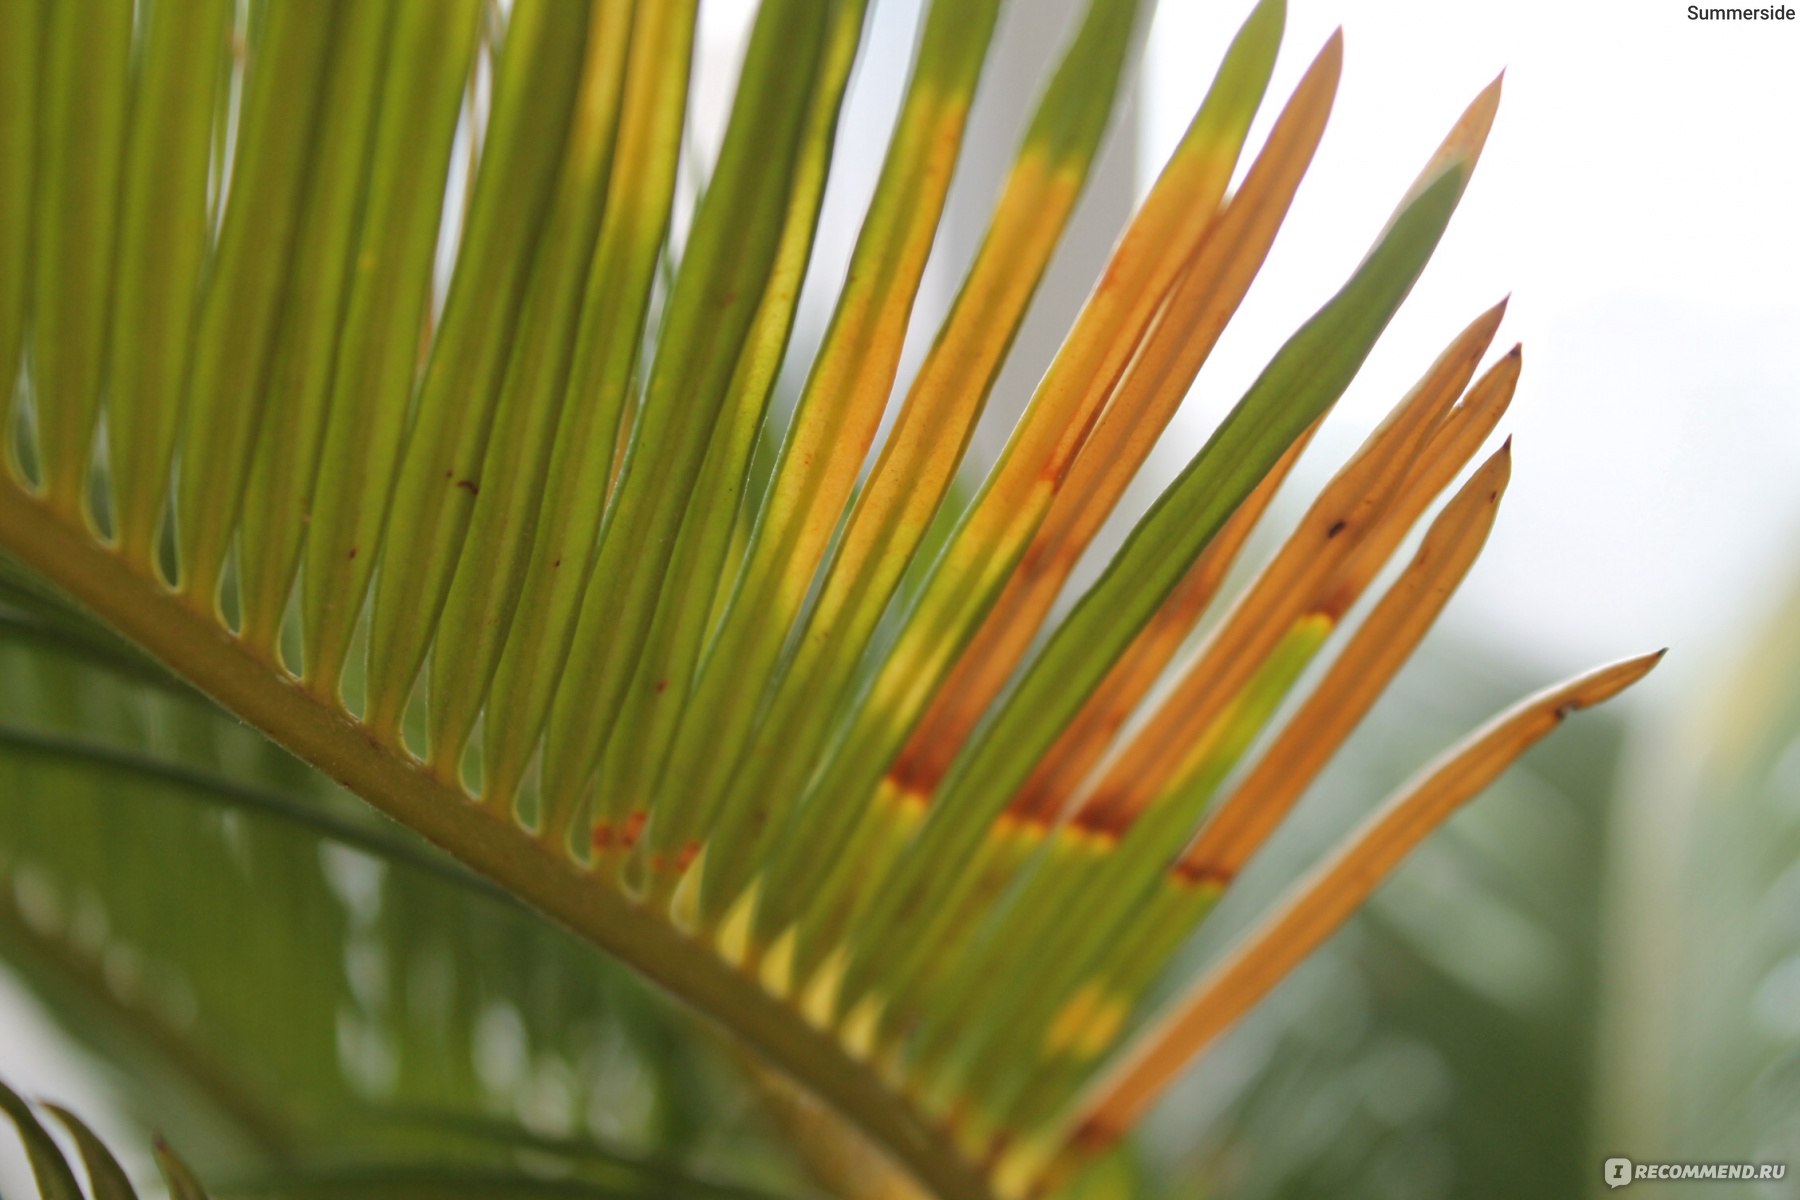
316	967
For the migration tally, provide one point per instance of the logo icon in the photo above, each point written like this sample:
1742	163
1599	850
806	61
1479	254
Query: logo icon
1617	1172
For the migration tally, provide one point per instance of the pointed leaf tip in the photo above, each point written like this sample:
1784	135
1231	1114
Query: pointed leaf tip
55	1179
181	1181
1469	135
1606	682
1501	461
1333	49
106	1178
1483	328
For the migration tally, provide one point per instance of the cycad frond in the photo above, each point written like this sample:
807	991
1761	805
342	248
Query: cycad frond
480	557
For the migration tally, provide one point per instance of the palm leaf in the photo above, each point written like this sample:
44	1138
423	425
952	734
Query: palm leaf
375	514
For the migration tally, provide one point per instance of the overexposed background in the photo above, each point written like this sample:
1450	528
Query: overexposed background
1637	199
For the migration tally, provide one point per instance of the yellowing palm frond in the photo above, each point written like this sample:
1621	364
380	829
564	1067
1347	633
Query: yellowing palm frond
474	546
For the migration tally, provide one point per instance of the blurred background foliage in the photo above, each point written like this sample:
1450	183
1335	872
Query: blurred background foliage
270	972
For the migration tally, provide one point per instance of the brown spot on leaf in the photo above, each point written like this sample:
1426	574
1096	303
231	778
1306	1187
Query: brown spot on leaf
1337	527
1202	874
915	775
1093	1137
469	486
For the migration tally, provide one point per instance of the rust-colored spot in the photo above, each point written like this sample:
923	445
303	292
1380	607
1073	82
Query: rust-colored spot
352	553
469	486
661	686
1093	1136
602	838
1028	801
1338	603
1104	817
634	828
685	858
915	775
1202	874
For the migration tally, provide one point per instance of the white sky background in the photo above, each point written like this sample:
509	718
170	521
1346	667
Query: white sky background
1640	198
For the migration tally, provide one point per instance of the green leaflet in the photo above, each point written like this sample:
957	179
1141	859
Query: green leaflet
163	236
21	28
836	417
440	473
181	1181
529	551
244	293
730	253
106	1178
638	743
85	72
278	496
54	1178
372	385
480	598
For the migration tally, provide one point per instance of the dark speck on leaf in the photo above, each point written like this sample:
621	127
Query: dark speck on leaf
469	486
1337	527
